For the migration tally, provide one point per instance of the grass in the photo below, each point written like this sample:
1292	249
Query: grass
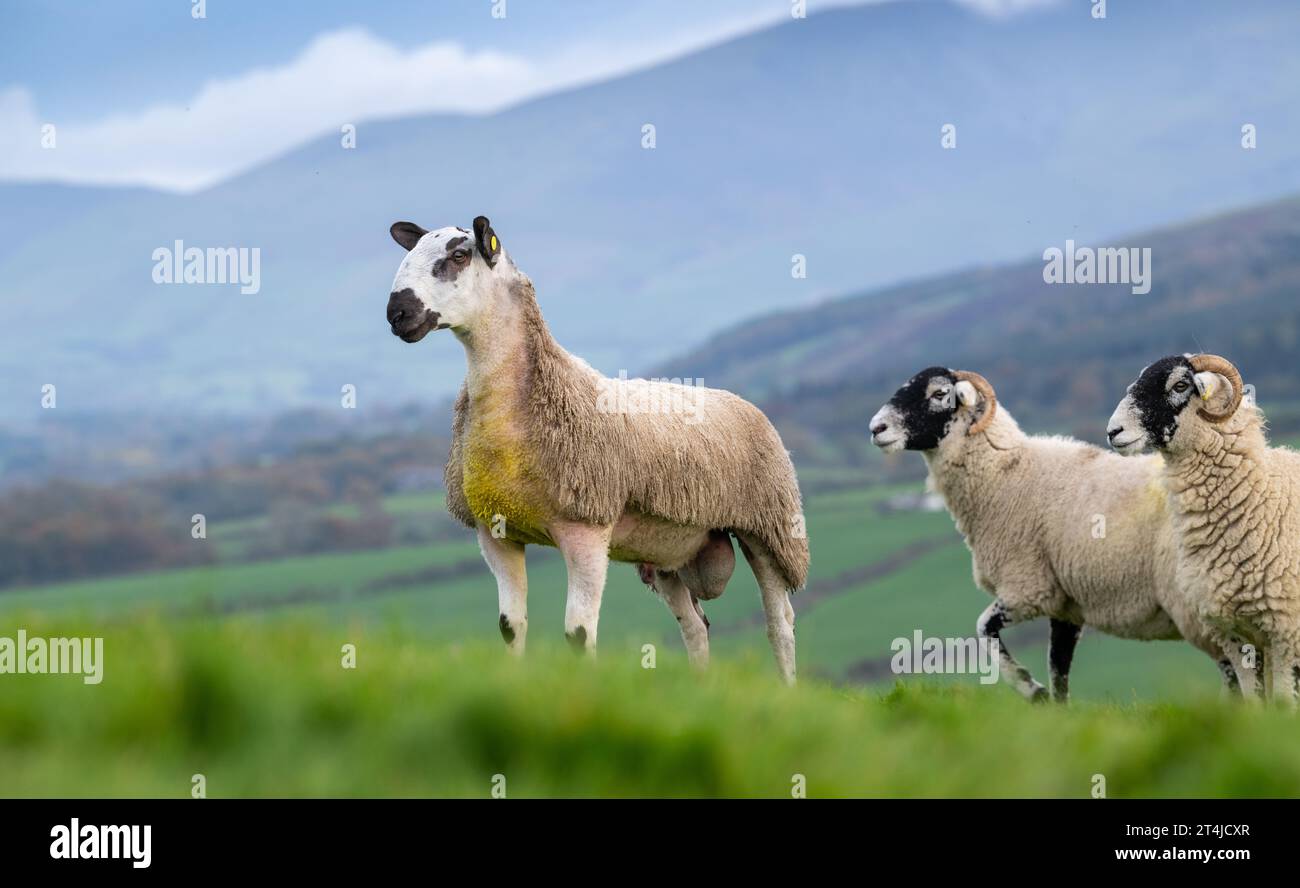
267	710
841	624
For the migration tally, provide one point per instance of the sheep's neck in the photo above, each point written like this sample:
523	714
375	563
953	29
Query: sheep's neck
499	476
963	480
1201	478
501	348
492	350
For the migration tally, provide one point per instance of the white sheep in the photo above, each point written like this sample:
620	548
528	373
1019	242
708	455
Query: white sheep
1056	528
1236	508
546	450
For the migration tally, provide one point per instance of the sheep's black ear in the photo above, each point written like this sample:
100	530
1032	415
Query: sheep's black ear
486	240
407	234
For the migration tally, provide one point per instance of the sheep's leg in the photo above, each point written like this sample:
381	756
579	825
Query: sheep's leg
1231	683
1217	649
1238	681
505	558
1263	657
1249	676
585	548
699	610
1285	666
695	631
776	605
995	618
1060	654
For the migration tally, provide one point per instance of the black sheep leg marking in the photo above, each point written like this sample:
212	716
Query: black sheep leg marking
991	623
1060	654
1231	682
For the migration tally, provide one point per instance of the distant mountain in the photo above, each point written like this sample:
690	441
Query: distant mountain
1060	356
818	137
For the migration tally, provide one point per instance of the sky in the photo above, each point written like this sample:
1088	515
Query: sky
143	92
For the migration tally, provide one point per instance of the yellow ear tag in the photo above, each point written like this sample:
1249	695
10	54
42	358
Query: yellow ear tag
494	243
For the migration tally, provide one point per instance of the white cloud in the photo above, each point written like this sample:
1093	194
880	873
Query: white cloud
346	76
998	8
341	77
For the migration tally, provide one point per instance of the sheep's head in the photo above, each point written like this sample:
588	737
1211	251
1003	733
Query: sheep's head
1173	398
444	279
932	406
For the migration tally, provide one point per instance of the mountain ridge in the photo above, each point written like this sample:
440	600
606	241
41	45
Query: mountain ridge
1059	355
639	254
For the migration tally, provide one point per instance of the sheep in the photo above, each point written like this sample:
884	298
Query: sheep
1234	501
547	451
1056	528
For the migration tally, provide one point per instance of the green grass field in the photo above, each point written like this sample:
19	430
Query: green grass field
264	709
232	671
444	593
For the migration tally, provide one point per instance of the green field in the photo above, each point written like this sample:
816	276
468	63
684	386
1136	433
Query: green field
443	593
233	671
268	710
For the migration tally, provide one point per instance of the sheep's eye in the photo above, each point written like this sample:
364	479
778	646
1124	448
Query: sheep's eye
939	395
1181	386
460	255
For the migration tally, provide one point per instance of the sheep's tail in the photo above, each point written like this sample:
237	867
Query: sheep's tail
791	555
781	525
783	532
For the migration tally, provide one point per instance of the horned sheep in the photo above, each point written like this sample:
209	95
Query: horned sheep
547	451
1236	509
1056	527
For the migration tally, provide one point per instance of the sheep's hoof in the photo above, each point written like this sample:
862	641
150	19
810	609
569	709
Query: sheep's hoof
578	639
1038	694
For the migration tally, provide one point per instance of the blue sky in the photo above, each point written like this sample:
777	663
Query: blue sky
140	92
82	57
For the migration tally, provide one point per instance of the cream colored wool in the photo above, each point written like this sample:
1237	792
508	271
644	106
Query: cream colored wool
1235	504
723	466
1031	509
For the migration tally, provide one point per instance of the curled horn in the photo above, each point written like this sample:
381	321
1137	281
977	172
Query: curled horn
990	400
1222	366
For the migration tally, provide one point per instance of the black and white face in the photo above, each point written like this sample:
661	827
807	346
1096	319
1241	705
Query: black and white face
444	281
1162	403
923	412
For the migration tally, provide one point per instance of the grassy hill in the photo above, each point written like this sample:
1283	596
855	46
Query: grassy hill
876	576
262	711
1060	356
